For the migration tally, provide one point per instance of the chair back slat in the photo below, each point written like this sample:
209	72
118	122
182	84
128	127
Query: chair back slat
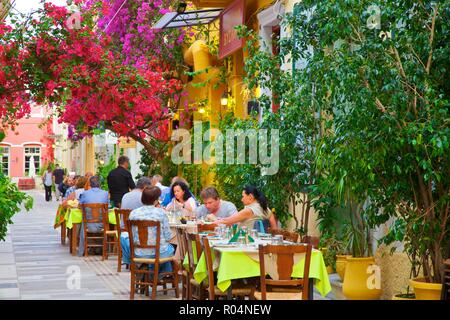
201	227
314	241
285	263
191	240
209	266
122	219
99	213
287	235
143	227
181	238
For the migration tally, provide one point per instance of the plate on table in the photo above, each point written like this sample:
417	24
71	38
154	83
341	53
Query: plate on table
225	245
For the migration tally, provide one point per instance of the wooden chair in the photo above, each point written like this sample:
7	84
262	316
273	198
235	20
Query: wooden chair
182	247
99	214
202	227
237	290
446	281
121	226
314	241
287	235
196	290
143	233
285	288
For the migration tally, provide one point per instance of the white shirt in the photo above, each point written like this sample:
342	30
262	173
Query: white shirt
48	178
160	186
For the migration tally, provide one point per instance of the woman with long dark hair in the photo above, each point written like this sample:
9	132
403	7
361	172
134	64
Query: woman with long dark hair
181	198
255	208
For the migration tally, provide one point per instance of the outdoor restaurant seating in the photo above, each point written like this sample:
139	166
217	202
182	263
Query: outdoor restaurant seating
294	289
99	214
140	266
121	226
206	263
239	291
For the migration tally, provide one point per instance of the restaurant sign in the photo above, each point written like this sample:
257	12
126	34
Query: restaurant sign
230	18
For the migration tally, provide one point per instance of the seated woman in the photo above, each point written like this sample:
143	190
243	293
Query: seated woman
255	208
79	189
182	199
167	195
150	211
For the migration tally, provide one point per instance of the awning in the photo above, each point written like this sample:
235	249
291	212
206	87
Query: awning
187	19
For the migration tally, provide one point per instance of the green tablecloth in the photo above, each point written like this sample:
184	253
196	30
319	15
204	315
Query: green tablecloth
238	265
74	215
60	216
186	258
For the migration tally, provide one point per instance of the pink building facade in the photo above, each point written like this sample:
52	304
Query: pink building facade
32	140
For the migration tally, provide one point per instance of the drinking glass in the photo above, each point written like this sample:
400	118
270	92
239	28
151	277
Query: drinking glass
254	233
218	231
227	232
241	241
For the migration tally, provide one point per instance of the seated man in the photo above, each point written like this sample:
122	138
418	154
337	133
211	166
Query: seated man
93	195
132	199
214	208
149	211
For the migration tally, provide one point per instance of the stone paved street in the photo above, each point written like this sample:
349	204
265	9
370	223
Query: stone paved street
34	264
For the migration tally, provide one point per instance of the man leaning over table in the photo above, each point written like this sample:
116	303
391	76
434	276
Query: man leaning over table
213	207
93	195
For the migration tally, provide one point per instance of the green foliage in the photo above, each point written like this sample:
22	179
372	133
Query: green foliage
10	203
385	103
104	170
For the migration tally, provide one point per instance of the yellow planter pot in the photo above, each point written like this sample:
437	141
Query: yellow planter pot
329	269
425	290
360	281
341	262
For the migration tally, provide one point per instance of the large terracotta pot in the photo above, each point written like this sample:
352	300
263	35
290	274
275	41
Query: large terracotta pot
341	262
426	290
357	273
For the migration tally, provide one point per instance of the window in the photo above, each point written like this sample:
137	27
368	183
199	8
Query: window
34	152
4	160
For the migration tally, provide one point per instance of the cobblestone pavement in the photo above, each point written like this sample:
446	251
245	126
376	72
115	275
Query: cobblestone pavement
35	265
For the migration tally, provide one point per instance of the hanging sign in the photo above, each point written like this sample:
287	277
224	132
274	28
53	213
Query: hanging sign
231	17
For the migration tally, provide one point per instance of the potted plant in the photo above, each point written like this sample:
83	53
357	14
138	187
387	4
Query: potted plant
387	101
330	247
359	269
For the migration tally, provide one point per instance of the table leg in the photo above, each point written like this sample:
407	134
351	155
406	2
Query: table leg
63	233
230	293
311	289
74	238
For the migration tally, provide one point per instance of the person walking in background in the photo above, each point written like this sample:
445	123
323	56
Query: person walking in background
47	180
58	178
120	181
